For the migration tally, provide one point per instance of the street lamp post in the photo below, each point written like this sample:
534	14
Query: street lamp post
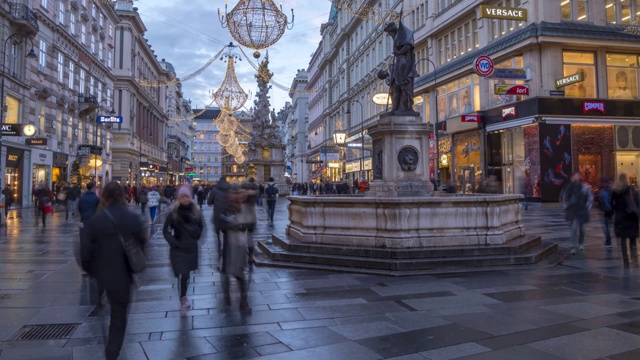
436	162
95	140
361	138
140	150
30	55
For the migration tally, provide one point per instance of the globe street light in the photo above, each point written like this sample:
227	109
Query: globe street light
30	55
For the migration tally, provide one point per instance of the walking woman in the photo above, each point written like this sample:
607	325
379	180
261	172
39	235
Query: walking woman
43	197
103	257
625	205
182	230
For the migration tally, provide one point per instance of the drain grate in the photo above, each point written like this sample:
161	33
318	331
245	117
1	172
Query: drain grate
45	332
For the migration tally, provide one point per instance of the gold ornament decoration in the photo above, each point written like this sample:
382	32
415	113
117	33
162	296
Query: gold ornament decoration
230	96
256	24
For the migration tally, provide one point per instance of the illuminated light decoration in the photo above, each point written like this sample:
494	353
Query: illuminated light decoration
147	83
256	24
224	140
634	28
357	8
230	96
193	116
226	123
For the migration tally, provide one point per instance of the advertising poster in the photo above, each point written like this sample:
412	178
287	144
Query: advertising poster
555	159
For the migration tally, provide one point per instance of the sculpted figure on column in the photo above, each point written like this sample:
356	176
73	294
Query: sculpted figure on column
402	71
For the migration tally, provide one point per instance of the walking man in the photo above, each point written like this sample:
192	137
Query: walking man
272	195
604	200
577	199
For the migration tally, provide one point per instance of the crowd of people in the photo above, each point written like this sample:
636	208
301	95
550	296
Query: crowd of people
108	224
325	188
620	205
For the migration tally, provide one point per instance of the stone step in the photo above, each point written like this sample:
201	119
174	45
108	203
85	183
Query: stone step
513	247
547	254
530	256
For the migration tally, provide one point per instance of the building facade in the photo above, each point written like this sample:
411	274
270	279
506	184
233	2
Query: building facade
561	100
296	128
141	98
206	152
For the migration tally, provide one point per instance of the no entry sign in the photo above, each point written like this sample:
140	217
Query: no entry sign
483	65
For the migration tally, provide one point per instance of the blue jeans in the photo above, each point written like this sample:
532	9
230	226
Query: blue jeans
260	200
271	209
577	233
606	226
152	212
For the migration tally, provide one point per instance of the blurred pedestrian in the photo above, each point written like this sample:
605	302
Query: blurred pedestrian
237	245
200	194
576	198
260	194
625	204
44	198
218	198
182	230
153	199
142	198
605	203
8	199
103	257
272	195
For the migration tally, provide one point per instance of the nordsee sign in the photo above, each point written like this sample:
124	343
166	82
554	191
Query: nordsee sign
110	119
498	12
568	80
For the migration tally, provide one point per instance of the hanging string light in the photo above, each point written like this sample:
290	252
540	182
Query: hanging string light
634	28
230	96
226	123
256	24
178	80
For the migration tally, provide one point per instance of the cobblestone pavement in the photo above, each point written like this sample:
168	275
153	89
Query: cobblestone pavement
586	307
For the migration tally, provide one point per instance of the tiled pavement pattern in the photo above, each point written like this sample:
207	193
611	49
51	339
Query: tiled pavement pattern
587	307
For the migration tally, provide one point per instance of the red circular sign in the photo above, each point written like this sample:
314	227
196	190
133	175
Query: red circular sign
483	65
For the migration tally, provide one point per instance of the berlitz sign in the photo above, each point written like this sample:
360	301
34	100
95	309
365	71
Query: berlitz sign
593	106
570	79
509	111
498	12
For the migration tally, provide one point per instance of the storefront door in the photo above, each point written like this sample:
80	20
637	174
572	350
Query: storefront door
513	171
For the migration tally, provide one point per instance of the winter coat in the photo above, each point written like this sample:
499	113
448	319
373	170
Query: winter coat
153	198
182	230
87	205
577	200
235	225
103	256
43	196
218	197
625	224
142	196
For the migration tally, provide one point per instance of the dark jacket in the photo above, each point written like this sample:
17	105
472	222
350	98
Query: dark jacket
43	197
218	197
625	224
103	256
182	230
87	205
577	199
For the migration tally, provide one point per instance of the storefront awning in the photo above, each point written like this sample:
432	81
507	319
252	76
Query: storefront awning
511	124
590	120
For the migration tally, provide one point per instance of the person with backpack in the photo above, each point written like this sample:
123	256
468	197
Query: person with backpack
604	203
260	194
142	198
577	199
271	190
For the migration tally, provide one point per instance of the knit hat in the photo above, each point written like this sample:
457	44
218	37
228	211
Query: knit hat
184	190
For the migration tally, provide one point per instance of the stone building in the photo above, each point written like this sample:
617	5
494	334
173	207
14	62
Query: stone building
296	128
206	153
59	95
562	99
140	141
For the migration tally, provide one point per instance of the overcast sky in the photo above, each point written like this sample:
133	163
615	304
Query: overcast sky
188	34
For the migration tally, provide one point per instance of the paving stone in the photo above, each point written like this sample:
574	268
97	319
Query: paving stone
307	338
590	344
455	351
516	352
343	350
177	348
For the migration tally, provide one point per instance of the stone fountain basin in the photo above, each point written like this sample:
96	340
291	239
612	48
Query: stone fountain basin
406	222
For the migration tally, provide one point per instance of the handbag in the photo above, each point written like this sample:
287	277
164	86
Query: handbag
62	196
135	255
47	209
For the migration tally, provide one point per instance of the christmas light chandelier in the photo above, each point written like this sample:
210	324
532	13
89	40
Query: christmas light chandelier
230	96
256	24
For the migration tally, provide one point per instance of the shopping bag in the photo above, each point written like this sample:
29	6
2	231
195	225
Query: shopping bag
48	209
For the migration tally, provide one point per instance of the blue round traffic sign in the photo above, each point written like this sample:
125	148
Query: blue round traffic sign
483	65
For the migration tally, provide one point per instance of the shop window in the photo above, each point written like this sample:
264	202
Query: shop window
575	62
498	100
575	10
501	27
622	76
621	11
457	97
13	106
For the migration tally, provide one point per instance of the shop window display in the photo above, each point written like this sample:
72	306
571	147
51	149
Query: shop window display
622	76
458	97
580	62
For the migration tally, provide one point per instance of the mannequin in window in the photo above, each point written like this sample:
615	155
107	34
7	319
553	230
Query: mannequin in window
622	91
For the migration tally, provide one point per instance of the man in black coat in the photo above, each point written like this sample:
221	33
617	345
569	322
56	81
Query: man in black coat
218	197
103	257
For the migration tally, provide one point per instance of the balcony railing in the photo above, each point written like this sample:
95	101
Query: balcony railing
87	99
23	12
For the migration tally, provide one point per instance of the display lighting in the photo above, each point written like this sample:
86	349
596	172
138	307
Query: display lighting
256	24
634	28
224	140
226	123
